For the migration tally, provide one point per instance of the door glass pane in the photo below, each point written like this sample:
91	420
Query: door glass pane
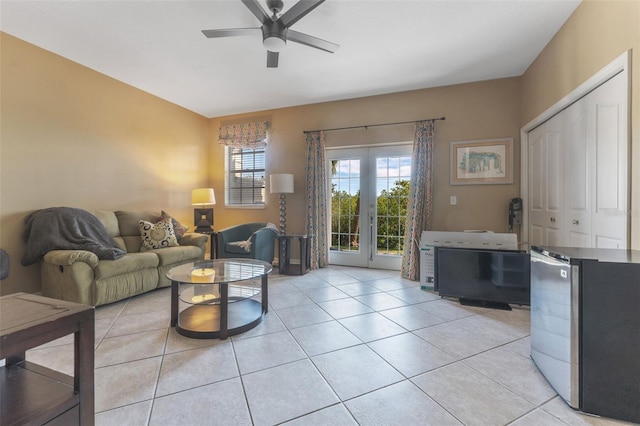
345	205
392	193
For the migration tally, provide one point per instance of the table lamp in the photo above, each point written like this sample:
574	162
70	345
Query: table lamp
282	184
203	217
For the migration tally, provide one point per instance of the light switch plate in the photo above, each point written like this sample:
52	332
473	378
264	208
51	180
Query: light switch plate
453	200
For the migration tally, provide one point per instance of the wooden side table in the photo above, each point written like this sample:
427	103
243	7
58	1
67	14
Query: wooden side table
33	394
284	254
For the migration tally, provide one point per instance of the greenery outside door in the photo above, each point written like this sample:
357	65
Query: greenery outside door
369	190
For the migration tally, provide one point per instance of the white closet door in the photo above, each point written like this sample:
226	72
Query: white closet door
608	130
578	172
545	183
577	177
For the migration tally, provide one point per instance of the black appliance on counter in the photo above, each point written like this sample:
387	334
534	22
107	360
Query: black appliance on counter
585	327
483	277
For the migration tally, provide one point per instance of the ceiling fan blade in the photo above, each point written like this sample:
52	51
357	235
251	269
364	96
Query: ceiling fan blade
298	11
272	59
231	32
257	10
311	41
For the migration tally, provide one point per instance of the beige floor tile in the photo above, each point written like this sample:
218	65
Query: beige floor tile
336	415
58	358
176	342
139	346
324	337
136	323
221	403
300	316
471	397
447	309
357	289
373	326
538	417
399	404
380	301
344	308
355	371
469	336
123	384
130	415
283	393
266	351
410	355
561	410
324	294
516	372
412	318
196	367
413	295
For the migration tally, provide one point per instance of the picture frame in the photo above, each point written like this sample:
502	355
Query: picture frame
481	162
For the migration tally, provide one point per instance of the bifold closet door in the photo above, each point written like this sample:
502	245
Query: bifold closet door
578	172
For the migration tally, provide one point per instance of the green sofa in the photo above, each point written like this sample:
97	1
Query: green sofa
79	276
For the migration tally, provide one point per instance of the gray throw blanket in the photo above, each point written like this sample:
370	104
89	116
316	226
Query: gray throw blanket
66	228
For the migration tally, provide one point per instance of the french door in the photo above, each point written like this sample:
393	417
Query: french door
368	196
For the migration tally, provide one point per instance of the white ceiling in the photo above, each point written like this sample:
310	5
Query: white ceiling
385	46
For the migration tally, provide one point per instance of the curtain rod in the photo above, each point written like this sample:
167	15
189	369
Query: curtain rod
371	125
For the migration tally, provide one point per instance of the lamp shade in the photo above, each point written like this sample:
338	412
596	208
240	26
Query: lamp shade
281	183
202	196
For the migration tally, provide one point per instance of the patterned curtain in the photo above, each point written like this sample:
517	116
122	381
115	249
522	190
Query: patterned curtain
317	200
246	135
419	205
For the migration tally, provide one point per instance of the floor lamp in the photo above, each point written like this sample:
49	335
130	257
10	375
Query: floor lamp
282	184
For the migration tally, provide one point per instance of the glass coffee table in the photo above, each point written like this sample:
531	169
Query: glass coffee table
218	298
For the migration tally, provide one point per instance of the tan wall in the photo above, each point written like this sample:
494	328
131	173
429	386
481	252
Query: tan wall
473	111
73	137
597	33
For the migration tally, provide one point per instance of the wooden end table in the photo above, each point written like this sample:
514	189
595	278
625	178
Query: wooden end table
284	254
33	394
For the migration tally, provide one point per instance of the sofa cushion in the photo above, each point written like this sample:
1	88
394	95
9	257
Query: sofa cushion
176	255
237	247
178	228
129	224
130	262
157	235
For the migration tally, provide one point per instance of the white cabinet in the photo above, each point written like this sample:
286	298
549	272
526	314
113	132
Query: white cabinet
578	177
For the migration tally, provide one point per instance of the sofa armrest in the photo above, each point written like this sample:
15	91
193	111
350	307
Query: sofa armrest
194	239
69	257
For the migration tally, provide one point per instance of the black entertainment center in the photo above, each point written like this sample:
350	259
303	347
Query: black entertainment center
481	277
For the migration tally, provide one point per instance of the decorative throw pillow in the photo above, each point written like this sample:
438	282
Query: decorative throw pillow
157	235
178	228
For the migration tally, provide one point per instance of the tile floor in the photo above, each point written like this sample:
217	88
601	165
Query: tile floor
339	346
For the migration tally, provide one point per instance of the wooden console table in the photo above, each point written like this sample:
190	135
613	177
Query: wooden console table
33	394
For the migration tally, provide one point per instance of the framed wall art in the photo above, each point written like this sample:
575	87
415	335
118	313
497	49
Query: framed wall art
482	162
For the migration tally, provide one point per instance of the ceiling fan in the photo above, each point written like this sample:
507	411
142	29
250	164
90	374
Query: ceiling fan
276	30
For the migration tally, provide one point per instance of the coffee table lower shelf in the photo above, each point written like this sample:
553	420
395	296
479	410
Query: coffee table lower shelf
203	321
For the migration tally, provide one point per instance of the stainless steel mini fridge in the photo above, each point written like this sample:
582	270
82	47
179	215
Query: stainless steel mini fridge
585	327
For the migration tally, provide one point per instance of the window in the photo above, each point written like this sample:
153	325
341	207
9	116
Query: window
245	176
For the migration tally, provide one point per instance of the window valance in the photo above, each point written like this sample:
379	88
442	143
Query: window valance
244	135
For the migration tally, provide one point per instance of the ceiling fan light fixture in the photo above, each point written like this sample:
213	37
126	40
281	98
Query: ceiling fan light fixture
274	43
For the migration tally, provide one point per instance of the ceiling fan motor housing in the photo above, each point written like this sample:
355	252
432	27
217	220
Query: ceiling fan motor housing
274	36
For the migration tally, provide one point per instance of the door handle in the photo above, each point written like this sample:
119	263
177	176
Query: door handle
575	222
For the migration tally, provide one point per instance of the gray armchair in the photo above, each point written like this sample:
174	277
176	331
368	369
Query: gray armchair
249	240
